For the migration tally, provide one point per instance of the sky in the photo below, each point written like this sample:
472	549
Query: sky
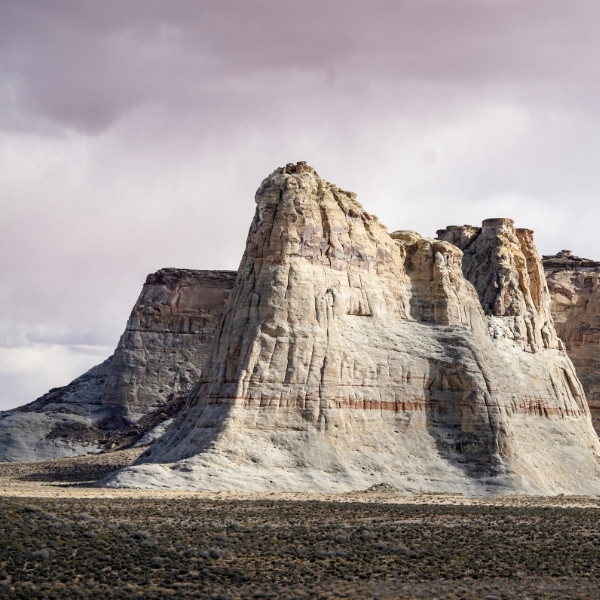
134	133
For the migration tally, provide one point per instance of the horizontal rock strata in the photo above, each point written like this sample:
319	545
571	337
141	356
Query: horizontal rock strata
574	285
349	357
159	357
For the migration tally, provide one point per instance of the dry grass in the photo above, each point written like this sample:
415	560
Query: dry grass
62	538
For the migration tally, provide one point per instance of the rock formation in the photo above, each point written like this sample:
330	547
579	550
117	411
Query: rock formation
575	299
503	265
166	341
573	286
159	357
349	357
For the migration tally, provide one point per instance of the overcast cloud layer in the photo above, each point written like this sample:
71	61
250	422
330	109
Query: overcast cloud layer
133	135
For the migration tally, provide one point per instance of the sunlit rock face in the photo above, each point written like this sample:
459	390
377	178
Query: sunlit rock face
505	268
350	356
159	357
575	301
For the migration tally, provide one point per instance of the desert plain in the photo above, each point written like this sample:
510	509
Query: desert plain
63	537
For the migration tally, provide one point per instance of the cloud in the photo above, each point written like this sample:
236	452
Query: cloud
27	369
84	65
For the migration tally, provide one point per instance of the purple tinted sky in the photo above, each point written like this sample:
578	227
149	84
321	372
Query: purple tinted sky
134	134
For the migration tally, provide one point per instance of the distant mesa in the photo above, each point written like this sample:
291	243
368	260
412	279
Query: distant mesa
566	260
574	285
341	357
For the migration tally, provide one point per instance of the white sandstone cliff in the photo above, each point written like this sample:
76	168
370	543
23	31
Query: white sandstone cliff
349	357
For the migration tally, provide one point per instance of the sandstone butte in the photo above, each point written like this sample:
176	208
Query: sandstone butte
345	357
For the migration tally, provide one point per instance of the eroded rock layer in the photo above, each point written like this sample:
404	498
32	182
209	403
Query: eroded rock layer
349	357
505	268
166	341
575	299
159	357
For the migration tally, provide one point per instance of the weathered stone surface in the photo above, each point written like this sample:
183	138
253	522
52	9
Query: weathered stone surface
166	341
158	359
350	357
575	299
505	268
60	423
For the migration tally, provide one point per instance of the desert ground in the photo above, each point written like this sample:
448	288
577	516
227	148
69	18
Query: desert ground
62	537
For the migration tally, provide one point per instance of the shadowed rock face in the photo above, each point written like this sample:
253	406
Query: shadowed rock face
348	357
575	295
160	356
165	344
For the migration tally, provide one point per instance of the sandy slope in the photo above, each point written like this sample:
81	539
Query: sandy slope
75	478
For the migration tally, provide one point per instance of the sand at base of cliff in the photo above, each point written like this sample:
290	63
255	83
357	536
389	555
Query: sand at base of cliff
75	478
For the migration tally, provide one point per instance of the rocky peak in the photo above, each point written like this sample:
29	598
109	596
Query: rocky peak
459	235
505	268
498	224
566	260
299	167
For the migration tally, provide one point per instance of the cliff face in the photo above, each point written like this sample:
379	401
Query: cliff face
160	355
349	356
505	268
575	295
165	344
